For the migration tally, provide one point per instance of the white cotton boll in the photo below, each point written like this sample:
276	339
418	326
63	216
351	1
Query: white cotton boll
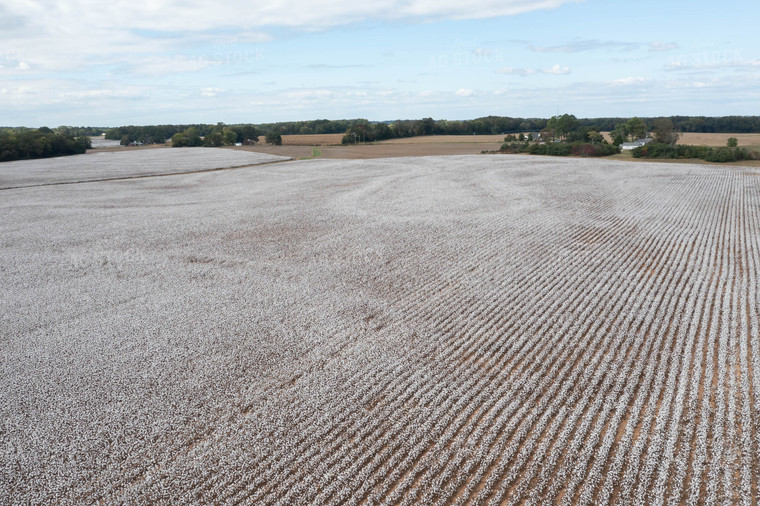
487	329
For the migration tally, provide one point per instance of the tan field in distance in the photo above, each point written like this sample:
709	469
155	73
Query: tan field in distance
718	139
309	140
329	139
329	146
698	139
714	140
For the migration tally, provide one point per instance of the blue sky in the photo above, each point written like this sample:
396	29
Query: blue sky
82	62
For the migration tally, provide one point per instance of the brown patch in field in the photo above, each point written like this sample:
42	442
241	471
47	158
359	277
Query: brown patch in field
416	146
448	139
718	139
311	140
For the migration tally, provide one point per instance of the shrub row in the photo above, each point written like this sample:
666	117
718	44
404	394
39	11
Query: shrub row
561	149
24	144
710	154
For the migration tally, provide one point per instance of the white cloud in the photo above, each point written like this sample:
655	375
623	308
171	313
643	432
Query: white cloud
81	34
557	69
581	45
717	64
512	71
629	81
158	66
201	15
101	93
211	92
658	46
465	92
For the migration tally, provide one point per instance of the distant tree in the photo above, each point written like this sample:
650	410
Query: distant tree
246	134
382	132
551	126
562	125
594	137
636	128
230	136
428	126
193	137
521	137
179	140
26	143
732	142
124	140
547	134
665	131
214	139
274	138
619	134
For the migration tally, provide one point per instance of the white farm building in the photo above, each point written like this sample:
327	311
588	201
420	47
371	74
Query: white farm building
635	144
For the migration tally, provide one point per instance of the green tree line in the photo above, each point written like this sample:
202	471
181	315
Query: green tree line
368	131
28	143
696	124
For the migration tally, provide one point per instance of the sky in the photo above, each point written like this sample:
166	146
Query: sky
141	62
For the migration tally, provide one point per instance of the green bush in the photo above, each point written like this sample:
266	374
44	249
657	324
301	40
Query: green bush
587	149
274	138
722	155
561	149
25	144
709	154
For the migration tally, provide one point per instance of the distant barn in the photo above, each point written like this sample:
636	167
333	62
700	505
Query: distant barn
635	144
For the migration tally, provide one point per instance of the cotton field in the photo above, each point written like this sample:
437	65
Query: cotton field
123	164
450	330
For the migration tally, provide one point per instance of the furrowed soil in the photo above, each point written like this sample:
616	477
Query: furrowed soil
434	330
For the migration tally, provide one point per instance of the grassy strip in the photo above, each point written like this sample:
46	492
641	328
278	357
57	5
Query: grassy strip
315	153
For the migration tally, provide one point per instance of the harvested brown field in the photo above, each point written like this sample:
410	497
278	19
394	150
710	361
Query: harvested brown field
311	140
301	146
449	139
328	139
718	139
714	140
439	330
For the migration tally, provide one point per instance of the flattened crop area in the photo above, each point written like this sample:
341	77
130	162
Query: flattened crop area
451	330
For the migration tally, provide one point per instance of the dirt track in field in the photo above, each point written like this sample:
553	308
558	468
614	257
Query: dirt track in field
487	329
